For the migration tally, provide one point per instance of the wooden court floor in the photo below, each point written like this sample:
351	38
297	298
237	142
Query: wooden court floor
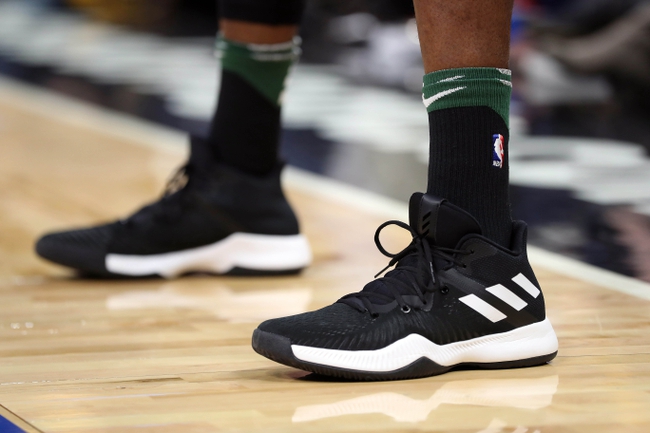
174	355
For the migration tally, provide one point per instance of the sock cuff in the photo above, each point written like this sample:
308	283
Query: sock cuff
264	66
469	87
285	51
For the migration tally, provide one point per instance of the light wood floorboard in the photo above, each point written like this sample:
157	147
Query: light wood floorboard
174	356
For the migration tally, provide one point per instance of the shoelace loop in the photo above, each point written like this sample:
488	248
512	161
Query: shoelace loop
405	279
167	207
178	180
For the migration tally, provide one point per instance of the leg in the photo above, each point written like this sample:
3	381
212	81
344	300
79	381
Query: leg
463	292
255	33
465	46
464	33
257	49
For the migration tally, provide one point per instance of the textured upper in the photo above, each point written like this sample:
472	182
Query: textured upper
478	264
82	249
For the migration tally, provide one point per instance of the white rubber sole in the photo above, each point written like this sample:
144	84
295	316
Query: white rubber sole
522	343
270	253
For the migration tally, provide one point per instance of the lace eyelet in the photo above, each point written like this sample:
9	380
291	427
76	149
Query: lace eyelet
471	252
406	309
444	290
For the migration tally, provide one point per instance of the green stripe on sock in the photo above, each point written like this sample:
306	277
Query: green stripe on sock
265	67
469	87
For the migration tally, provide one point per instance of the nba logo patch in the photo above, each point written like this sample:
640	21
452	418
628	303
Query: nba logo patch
497	151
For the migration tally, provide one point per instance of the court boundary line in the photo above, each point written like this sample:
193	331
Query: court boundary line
17	420
148	134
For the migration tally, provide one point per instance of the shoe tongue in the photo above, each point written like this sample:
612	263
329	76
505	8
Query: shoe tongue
380	285
441	222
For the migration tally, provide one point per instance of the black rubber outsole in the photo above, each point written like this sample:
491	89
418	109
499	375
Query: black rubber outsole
278	348
234	272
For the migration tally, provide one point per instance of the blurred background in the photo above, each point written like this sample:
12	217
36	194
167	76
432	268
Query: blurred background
580	117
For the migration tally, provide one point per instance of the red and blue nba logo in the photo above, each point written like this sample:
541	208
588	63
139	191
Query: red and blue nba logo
498	154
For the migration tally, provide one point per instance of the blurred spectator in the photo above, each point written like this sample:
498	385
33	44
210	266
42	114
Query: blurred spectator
177	17
608	37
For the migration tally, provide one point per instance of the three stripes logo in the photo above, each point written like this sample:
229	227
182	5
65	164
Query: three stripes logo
488	311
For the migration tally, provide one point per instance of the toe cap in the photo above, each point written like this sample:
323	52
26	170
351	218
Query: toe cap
83	249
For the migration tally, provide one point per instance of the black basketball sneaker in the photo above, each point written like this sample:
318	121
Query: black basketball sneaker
212	218
455	298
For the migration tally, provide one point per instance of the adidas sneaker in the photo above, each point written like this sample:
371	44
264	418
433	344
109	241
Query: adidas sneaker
455	298
212	218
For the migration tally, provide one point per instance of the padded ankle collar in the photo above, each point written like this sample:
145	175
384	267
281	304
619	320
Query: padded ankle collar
443	223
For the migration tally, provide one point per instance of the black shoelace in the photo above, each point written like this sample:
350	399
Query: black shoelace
415	273
169	206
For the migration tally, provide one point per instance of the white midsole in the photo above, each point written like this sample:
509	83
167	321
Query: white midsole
243	250
526	342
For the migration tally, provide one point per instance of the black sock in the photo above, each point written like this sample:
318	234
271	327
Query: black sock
245	130
461	170
468	164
